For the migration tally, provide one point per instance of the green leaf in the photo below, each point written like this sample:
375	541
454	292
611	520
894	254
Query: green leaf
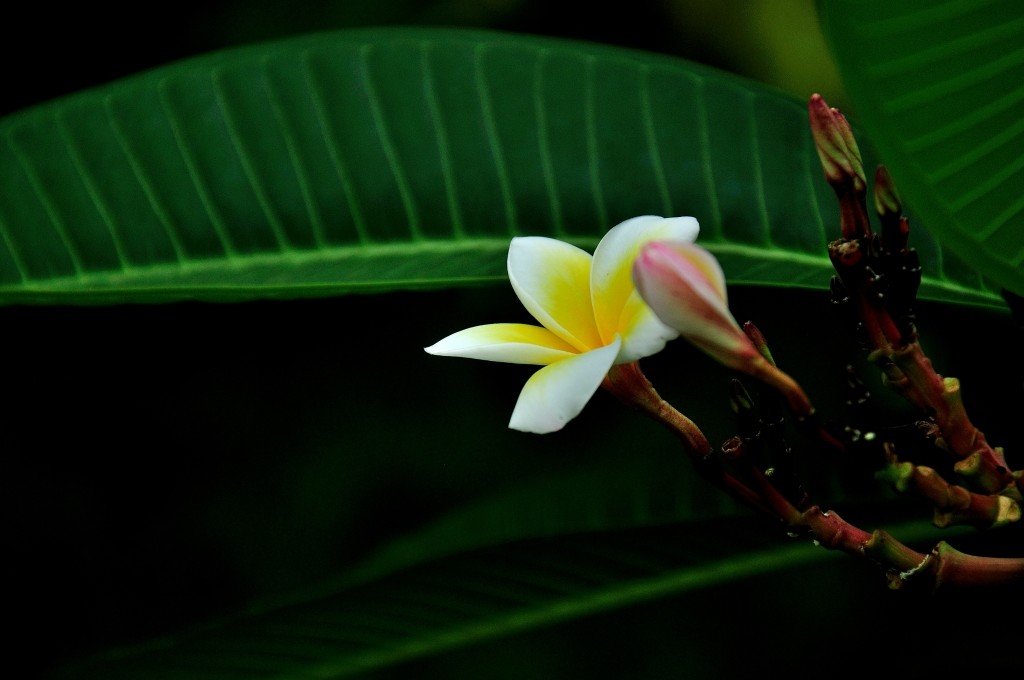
464	600
614	532
371	160
938	87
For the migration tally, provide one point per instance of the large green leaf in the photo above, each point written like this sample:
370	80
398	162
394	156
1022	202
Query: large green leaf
399	158
939	87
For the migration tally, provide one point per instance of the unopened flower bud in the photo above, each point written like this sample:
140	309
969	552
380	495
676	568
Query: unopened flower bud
757	337
895	227
743	406
841	161
685	286
887	201
837	148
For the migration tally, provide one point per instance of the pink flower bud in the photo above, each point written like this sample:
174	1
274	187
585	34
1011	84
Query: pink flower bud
837	148
895	227
683	284
841	161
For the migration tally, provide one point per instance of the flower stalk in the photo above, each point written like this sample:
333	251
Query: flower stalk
878	278
630	386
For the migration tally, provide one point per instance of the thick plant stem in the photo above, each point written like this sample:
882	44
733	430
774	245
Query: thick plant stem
796	399
952	504
943	567
879	276
983	465
628	383
954	568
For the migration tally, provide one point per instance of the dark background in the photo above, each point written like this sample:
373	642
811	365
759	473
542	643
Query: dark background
50	51
166	463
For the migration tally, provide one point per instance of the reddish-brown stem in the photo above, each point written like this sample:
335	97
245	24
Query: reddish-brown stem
953	568
953	504
943	566
910	372
628	383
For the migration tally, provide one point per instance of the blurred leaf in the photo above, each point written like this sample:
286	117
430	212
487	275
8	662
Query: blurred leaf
370	160
366	624
938	88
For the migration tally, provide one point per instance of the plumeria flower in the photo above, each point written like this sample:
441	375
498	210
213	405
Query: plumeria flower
591	318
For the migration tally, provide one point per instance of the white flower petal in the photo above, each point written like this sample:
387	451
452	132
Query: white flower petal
643	333
611	280
513	343
556	394
552	280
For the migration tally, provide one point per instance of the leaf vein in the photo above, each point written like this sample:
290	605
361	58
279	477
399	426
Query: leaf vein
163	217
388	146
491	128
51	210
94	194
544	144
277	109
334	150
244	158
590	131
219	229
652	143
755	160
443	145
926	95
704	137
